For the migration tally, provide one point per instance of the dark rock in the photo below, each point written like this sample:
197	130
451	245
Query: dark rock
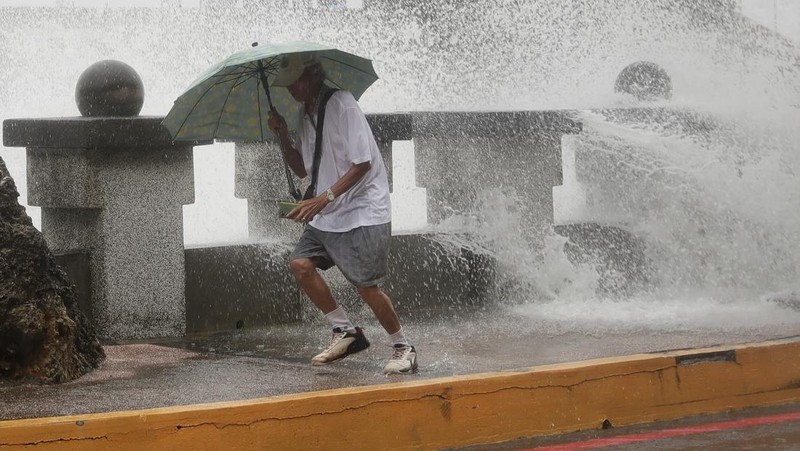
43	335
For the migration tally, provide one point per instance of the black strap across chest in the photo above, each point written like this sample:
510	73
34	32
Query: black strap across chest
312	189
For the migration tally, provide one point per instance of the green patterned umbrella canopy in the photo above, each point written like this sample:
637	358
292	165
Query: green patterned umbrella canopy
229	101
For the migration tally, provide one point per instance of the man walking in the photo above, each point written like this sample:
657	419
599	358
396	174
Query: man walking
348	214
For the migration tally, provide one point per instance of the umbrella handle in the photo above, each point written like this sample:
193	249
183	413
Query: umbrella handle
262	75
293	191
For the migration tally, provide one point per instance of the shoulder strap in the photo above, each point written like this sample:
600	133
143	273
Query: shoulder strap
312	189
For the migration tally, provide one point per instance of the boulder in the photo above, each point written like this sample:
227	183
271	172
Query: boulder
43	335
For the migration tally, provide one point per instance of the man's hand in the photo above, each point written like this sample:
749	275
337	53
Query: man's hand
276	122
308	208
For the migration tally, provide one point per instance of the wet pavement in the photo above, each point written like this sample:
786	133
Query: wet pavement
256	363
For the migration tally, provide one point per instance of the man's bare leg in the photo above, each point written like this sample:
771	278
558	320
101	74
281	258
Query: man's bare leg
382	307
343	341
312	283
404	356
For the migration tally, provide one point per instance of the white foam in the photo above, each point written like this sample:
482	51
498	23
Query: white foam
691	313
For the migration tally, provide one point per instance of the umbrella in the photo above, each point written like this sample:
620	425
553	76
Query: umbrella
230	100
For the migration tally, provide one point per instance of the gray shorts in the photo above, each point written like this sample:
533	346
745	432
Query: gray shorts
361	254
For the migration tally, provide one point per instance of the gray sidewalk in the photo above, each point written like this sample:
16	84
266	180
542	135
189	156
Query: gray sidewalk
248	364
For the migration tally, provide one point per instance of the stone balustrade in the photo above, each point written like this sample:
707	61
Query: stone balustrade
115	188
457	154
112	190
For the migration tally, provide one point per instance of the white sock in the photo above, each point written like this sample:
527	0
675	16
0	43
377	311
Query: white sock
399	338
338	318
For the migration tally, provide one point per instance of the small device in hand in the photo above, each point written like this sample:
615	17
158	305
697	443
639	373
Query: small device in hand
285	207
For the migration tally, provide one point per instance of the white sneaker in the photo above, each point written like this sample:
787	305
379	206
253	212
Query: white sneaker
404	360
342	344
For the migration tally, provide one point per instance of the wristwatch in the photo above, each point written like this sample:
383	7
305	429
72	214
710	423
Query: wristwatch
330	195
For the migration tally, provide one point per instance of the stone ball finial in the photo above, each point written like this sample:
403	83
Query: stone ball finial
645	81
109	88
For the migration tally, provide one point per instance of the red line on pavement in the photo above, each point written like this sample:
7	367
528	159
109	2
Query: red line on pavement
675	432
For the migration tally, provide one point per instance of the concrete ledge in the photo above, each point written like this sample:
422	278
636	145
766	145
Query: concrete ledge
428	280
387	127
448	412
105	133
493	124
248	285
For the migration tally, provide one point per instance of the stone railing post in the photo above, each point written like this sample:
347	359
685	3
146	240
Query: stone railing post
459	154
114	186
259	177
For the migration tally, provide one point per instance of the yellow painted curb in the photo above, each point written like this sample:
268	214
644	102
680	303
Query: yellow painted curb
447	412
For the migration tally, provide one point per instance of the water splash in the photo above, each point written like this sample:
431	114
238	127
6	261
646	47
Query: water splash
718	208
714	198
531	263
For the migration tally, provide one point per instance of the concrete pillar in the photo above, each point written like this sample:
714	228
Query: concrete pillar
409	201
459	155
569	198
260	178
115	187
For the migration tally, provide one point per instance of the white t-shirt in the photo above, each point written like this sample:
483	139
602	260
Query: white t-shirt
346	140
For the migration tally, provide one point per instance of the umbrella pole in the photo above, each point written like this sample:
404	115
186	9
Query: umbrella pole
263	76
293	191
